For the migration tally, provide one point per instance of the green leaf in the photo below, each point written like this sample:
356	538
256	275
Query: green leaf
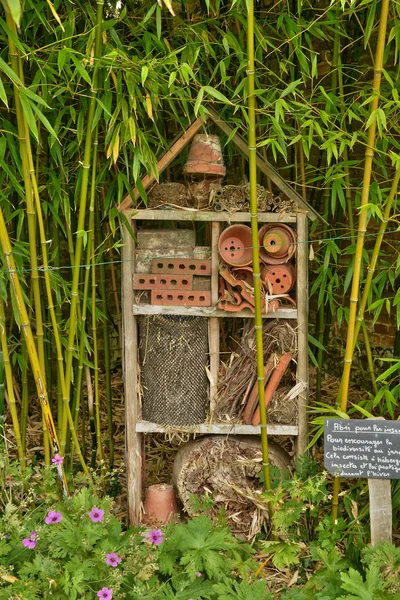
14	7
30	119
216	94
3	94
291	87
198	101
44	120
81	69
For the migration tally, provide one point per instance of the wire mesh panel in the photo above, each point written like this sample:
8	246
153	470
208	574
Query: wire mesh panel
173	354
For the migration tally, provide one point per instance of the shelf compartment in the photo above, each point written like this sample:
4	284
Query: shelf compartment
218	428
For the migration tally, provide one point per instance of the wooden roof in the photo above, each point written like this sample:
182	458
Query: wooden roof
263	165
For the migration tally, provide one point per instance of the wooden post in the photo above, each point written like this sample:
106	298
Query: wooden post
302	324
130	373
213	324
380	508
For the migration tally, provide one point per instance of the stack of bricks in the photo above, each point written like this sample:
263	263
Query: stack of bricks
171	270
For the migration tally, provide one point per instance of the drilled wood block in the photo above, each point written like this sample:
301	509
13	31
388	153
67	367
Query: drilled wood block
183	266
180	298
142	281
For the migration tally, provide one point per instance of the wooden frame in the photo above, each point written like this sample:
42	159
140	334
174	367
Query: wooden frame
135	427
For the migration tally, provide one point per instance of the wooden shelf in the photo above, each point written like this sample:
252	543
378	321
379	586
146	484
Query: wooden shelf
218	428
208	311
167	214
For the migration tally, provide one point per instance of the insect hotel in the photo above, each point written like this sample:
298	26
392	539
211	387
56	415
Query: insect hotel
189	343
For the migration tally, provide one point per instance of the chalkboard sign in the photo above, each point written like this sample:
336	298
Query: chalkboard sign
362	448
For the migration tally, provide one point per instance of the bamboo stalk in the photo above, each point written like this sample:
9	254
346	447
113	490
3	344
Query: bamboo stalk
2	391
95	347
375	254
116	296
30	344
12	406
369	153
24	143
106	341
254	236
82	211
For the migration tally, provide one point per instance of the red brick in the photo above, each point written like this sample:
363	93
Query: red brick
180	298
143	281
380	328
183	266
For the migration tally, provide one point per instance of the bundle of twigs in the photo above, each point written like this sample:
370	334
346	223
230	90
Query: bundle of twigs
239	376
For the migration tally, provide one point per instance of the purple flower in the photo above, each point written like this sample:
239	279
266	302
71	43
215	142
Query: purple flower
57	459
105	594
97	516
198	574
29	543
53	517
156	536
113	559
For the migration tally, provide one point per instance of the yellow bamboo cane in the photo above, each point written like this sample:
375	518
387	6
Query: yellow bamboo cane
23	135
369	153
82	213
254	236
43	241
12	406
30	344
362	222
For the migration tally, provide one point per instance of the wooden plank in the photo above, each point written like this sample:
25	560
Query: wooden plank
213	324
302	329
380	510
221	428
167	214
265	167
164	161
130	375
209	311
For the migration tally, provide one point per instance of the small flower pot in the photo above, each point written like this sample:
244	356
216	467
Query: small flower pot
277	243
235	245
205	156
160	505
280	277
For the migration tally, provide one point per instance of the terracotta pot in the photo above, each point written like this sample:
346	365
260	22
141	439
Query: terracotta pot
245	274
160	506
234	245
205	156
281	277
277	243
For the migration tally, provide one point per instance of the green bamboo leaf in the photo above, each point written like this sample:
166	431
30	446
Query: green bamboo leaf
10	73
44	120
14	8
158	22
198	101
290	88
30	119
370	23
81	69
145	72
3	94
216	94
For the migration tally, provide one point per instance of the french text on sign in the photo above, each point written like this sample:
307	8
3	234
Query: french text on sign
362	448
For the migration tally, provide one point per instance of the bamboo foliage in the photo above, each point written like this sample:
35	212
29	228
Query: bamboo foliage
159	73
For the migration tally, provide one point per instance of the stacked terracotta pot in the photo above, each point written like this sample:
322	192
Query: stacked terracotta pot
277	243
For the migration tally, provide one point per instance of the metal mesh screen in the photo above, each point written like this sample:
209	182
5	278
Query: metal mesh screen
173	355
